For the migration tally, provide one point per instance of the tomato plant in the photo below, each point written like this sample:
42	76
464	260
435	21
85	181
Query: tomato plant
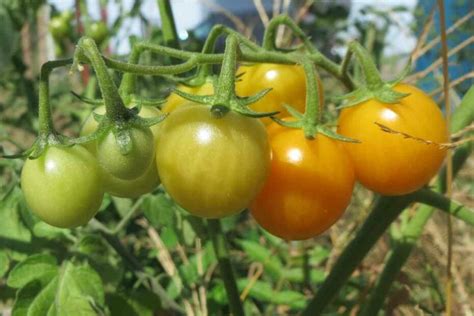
212	167
309	185
63	186
388	163
114	185
287	82
60	27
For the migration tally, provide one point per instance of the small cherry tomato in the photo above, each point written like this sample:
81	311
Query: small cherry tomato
309	185
116	186
98	31
63	186
213	167
60	27
389	163
174	101
288	83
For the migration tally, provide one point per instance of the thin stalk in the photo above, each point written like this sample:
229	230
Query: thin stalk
128	83
313	106
115	109
225	266
45	120
449	153
168	25
384	213
371	73
226	83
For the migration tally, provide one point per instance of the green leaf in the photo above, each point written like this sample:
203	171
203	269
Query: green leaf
256	252
4	263
159	210
79	291
137	303
43	301
24	298
92	245
40	268
11	226
44	230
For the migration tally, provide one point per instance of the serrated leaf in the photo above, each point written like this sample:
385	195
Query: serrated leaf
79	290
159	210
92	245
41	267
256	252
11	225
4	263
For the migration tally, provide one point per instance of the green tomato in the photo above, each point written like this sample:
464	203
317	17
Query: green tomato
98	31
60	27
116	186
63	186
212	167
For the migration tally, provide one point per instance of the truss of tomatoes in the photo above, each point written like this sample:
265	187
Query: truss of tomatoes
295	188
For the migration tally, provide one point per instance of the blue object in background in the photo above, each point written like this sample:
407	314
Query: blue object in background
460	63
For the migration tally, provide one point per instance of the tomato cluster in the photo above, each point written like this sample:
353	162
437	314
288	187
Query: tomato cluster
295	187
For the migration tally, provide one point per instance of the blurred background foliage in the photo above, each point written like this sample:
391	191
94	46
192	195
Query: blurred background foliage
163	244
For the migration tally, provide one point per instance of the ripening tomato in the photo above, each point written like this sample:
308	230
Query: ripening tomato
173	101
213	167
288	83
388	163
116	186
63	186
98	31
309	185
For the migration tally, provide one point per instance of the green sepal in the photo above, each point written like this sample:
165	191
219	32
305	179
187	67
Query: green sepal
384	94
95	102
329	133
290	124
254	98
146	101
248	112
293	112
406	70
148	122
201	99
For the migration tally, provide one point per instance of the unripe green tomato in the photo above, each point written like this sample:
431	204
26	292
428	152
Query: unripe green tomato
116	186
98	31
63	186
212	167
60	27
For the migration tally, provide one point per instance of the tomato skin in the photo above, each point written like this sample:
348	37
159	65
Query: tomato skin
63	186
116	186
174	101
60	27
288	83
98	31
391	164
212	167
309	185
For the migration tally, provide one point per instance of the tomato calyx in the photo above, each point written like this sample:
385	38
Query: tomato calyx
373	87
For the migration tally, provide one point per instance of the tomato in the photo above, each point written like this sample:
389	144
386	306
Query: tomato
388	163
63	186
116	186
212	167
98	31
309	185
60	27
288	83
174	100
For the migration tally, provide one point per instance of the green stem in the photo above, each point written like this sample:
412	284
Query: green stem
225	266
128	83
384	213
45	120
371	73
226	83
114	107
269	37
168	25
311	114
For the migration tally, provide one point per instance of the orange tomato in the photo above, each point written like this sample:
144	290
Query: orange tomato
309	185
288	83
391	164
